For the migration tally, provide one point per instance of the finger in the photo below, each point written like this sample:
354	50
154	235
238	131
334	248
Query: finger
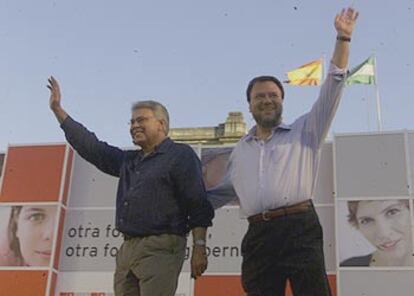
350	10
196	270
54	81
193	270
196	273
337	18
355	16
350	14
49	87
199	272
201	269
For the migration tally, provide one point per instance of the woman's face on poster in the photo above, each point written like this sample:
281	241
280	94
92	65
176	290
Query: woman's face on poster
35	227
214	170
386	225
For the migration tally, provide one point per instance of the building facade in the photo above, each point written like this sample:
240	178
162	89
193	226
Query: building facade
225	133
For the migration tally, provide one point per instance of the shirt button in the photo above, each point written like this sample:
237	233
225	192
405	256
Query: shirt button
121	220
125	203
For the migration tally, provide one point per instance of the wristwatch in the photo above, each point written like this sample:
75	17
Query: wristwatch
343	38
199	242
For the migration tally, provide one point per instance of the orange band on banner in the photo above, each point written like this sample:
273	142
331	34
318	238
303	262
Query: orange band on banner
218	285
33	173
223	285
22	282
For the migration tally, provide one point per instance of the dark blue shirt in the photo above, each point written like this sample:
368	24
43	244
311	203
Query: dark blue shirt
162	192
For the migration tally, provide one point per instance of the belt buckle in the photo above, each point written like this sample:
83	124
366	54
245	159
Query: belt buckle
264	217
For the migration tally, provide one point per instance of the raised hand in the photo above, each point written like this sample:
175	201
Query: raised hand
345	21
55	98
54	101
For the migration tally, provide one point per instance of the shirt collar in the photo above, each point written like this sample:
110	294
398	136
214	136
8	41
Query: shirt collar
162	147
252	132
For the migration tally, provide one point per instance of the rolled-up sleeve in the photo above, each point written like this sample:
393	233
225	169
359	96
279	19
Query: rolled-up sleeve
323	111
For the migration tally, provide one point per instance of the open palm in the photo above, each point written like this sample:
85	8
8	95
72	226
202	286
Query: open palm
54	101
345	21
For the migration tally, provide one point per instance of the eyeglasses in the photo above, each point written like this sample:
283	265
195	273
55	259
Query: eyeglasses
270	95
139	120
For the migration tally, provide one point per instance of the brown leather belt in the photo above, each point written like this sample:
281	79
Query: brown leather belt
283	211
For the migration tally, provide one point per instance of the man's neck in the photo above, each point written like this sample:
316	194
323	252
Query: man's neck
263	133
150	147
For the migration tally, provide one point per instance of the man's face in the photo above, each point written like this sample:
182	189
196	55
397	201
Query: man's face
266	104
145	128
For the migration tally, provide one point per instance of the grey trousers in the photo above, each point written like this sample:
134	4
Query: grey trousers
149	266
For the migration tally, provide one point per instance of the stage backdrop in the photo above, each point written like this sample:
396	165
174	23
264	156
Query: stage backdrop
57	233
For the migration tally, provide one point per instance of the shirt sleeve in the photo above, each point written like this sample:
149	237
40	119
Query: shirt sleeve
191	190
320	117
105	157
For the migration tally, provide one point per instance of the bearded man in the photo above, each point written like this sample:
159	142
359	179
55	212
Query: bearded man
272	171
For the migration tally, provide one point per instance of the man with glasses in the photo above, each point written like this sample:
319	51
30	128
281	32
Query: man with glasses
161	196
272	170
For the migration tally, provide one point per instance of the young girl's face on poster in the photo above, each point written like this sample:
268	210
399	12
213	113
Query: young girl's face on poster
386	225
35	227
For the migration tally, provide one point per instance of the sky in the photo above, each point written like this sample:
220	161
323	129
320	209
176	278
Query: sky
196	57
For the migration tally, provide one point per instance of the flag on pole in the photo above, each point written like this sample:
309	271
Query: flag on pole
363	73
305	75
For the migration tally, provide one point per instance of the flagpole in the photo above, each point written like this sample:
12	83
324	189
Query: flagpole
379	117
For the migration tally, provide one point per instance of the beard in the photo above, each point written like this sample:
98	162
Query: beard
268	120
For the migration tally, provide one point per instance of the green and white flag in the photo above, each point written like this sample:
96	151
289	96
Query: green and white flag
363	73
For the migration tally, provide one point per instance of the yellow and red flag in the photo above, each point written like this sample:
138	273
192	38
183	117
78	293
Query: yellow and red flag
309	74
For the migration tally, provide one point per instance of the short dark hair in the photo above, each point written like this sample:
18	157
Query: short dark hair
263	79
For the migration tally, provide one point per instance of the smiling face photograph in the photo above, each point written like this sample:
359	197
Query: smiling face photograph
376	233
27	235
214	162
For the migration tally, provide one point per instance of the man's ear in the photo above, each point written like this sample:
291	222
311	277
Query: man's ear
163	126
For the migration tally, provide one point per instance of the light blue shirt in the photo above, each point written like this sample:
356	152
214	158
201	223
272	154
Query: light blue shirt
281	170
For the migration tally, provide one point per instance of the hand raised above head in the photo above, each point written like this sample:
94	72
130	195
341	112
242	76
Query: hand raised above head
345	21
54	101
55	96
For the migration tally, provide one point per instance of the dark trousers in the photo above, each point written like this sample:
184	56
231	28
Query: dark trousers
287	247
